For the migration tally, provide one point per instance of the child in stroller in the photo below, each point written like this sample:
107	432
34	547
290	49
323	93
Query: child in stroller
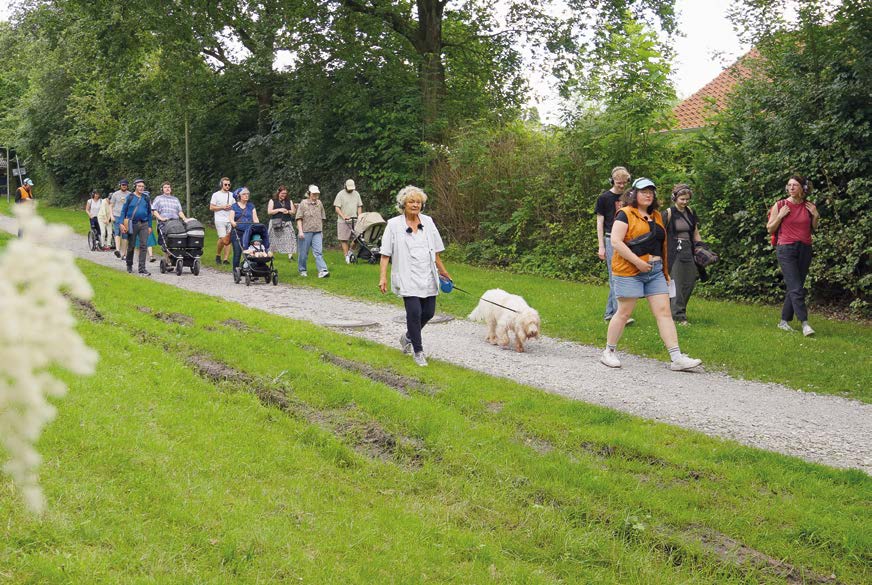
366	233
257	260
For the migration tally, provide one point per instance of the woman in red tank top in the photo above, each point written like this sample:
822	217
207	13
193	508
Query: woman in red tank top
791	221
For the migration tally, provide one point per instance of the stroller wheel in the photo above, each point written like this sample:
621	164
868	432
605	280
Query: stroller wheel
163	266
275	279
180	264
92	244
247	279
195	267
352	258
236	276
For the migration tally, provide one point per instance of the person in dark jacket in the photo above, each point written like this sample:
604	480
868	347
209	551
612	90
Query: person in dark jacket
682	229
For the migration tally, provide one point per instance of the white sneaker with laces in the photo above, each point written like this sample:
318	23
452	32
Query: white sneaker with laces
785	326
419	358
610	358
304	274
807	330
323	274
405	343
347	259
684	362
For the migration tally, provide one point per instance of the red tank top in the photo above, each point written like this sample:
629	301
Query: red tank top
796	226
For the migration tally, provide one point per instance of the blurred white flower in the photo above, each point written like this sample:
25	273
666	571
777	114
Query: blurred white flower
37	333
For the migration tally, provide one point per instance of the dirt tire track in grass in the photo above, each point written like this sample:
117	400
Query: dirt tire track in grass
367	437
87	309
402	384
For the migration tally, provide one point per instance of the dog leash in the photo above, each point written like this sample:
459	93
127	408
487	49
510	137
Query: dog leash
484	299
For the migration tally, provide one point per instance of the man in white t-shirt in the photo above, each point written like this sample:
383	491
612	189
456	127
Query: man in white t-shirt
116	202
221	203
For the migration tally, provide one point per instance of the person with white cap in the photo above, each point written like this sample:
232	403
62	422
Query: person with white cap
348	206
25	192
310	226
640	252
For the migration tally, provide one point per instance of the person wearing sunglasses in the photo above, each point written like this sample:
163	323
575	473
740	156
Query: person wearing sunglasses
220	204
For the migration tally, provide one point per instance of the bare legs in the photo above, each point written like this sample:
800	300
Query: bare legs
659	308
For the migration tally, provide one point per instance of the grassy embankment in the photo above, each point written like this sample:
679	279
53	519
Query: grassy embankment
737	338
222	444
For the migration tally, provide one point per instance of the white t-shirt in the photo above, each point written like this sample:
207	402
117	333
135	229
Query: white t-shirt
222	198
94	207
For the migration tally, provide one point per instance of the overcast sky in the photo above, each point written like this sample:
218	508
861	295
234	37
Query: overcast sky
706	33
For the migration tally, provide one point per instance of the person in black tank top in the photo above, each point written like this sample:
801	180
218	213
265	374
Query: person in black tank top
683	231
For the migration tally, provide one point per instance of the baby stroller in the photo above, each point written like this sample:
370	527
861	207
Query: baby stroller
366	234
182	245
94	243
253	267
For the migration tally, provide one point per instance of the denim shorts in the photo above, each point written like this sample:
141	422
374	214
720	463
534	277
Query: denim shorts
644	284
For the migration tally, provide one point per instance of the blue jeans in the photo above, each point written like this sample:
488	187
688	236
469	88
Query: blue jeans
611	302
315	241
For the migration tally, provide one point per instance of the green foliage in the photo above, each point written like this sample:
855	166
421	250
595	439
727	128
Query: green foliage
807	110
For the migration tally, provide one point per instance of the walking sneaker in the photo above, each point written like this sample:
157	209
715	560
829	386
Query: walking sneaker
348	259
323	274
785	326
152	259
807	330
117	254
630	321
684	362
218	260
405	343
419	358
130	268
304	274
145	272
610	358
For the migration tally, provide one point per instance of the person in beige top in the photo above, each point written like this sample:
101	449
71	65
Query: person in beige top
310	225
348	206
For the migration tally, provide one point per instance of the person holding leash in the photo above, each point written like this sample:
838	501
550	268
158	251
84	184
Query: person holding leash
412	245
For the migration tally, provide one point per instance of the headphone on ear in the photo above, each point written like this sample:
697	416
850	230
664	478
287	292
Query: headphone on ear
615	170
803	182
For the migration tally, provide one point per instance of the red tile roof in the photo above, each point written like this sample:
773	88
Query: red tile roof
695	110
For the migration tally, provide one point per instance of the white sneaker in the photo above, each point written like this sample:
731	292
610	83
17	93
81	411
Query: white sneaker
419	358
405	343
684	362
785	326
610	358
807	330
347	259
323	274
304	274
630	321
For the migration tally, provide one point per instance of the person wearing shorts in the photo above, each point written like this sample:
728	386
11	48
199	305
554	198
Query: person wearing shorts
116	202
348	206
221	202
640	252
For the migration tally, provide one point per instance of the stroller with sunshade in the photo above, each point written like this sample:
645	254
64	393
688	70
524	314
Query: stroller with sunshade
366	234
182	245
254	264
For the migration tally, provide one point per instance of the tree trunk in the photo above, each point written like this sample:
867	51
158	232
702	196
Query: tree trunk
431	69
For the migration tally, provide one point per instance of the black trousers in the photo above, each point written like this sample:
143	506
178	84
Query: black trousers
795	260
138	228
418	312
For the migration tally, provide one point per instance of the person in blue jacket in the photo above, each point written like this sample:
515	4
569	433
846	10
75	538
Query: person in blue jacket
136	223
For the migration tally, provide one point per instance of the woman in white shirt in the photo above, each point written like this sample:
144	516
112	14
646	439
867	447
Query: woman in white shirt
412	245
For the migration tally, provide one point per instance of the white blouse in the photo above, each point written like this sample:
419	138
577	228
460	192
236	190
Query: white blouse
413	256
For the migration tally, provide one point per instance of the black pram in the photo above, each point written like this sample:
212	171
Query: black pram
252	266
182	245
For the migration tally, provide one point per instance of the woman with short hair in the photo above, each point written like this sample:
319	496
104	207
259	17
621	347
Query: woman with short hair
242	215
791	222
310	228
639	241
412	245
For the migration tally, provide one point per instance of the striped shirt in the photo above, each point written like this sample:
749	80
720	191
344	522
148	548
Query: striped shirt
167	206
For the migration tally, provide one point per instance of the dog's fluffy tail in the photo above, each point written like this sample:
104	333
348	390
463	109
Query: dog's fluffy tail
476	314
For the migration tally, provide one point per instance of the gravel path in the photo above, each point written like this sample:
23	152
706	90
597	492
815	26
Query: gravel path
823	429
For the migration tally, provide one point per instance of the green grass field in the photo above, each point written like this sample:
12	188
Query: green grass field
220	444
736	338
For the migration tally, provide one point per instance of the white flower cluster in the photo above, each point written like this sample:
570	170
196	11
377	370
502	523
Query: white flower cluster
36	333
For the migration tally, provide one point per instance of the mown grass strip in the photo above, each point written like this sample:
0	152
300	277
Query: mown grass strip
155	472
737	338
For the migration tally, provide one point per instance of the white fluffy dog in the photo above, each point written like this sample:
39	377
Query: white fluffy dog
522	323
